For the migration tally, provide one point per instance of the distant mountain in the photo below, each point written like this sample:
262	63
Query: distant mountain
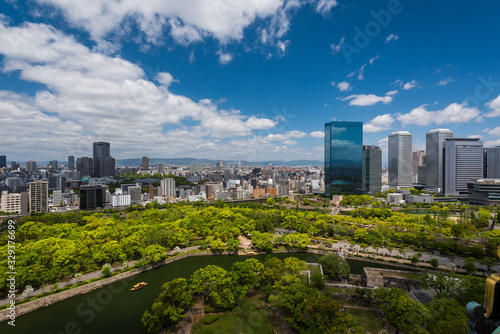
188	161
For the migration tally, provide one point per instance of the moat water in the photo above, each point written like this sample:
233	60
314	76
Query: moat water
114	309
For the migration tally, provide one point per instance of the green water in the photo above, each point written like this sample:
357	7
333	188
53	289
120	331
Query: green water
114	309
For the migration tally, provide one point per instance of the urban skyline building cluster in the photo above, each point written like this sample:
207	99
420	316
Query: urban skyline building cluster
447	166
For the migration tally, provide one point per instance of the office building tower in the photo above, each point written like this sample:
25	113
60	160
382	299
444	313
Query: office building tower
71	162
145	163
493	162
196	168
54	165
463	162
14	203
39	196
372	169
3	161
14	165
161	168
57	182
343	158
220	164
104	164
91	197
168	187
30	166
85	166
434	142
418	159
400	159
135	194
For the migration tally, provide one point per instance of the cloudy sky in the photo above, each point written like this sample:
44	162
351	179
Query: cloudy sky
241	79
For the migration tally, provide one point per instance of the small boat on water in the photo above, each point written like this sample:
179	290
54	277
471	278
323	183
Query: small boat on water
138	286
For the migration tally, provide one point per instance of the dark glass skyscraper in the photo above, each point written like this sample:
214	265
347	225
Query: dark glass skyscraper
71	162
372	169
343	158
104	164
3	161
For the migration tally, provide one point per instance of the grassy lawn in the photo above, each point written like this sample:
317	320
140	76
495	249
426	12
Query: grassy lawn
244	318
367	319
314	269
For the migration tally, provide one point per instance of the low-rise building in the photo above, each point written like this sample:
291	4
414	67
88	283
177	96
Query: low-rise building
484	191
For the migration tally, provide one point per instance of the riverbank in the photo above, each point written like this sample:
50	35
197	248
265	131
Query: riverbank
52	299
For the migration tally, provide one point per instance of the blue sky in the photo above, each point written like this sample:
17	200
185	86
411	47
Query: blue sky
243	79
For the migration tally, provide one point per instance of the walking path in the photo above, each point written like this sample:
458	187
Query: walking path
85	277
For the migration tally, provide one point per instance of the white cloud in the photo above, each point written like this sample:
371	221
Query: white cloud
494	132
379	123
351	74
337	47
476	136
85	96
372	60
317	134
492	143
344	86
391	37
367	99
286	136
224	58
323	7
495	106
392	92
445	81
410	85
361	72
453	113
290	142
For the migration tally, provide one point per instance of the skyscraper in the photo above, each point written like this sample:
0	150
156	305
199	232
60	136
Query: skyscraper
30	166
145	163
71	162
54	164
493	162
400	159
343	158
39	196
463	161
91	197
104	164
418	159
3	161
168	187
372	169
85	166
434	143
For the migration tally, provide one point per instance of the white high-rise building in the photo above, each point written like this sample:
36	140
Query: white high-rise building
400	159
434	143
168	187
463	162
17	203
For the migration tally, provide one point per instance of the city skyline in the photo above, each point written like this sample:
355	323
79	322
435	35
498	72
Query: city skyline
241	81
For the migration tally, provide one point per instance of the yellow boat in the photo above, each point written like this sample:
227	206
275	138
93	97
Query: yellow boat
138	286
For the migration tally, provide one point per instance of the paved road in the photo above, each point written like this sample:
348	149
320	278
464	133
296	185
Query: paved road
446	262
86	277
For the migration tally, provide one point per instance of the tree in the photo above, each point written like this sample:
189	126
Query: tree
334	266
106	270
233	245
434	263
169	307
414	259
270	201
469	266
293	266
448	316
154	253
317	281
402	311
